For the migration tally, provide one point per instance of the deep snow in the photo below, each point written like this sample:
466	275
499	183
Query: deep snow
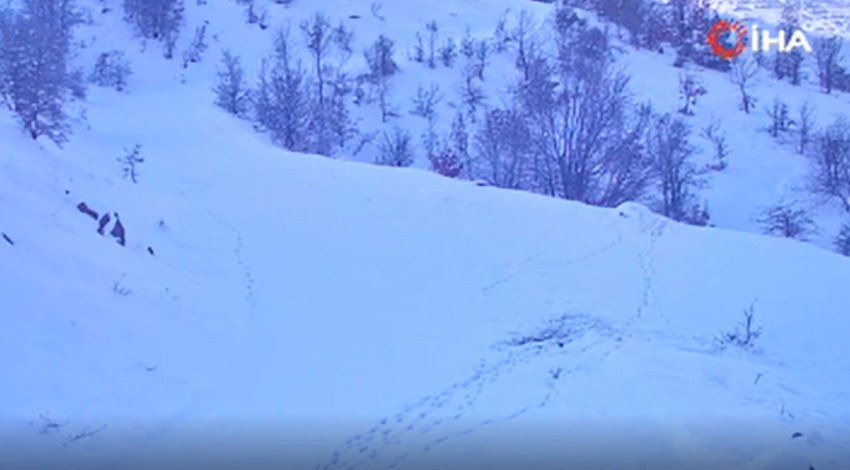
344	315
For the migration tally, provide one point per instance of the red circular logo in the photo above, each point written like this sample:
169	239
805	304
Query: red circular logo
722	27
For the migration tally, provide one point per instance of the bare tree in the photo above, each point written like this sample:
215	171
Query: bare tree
832	161
780	120
503	148
231	89
433	30
680	21
805	123
471	89
585	146
827	57
676	174
501	36
382	66
318	35
787	220
627	171
280	98
718	141
690	88
129	162
396	149
194	53
653	28
789	64
329	121
418	54
425	106
459	141
482	53
523	38
743	74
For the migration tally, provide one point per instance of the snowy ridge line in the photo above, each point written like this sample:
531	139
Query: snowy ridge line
446	415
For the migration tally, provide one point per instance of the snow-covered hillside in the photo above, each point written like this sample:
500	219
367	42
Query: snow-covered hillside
295	311
820	16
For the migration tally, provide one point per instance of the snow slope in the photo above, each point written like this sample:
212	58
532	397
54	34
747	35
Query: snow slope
762	171
828	17
311	313
295	291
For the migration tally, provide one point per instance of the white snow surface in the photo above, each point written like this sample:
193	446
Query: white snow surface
320	313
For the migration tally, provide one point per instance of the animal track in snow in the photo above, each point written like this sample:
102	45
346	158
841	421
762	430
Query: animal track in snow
247	275
455	411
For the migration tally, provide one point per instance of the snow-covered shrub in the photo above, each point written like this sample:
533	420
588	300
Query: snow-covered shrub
842	241
827	57
380	58
690	88
197	47
718	141
831	155
785	220
425	106
744	334
780	120
446	163
448	52
842	80
160	20
744	72
805	123
111	70
396	149
129	161
280	99
432	43
418	54
231	89
789	64
382	66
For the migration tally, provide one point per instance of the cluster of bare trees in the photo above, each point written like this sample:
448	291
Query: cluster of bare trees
683	24
158	20
302	106
828	150
830	72
569	129
37	80
572	131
